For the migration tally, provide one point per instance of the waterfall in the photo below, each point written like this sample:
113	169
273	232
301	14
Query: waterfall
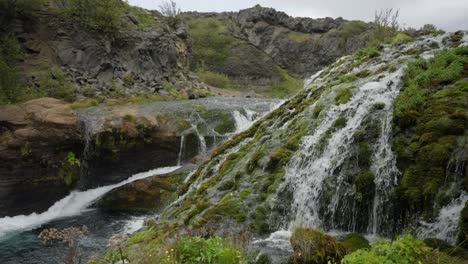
446	225
181	150
242	122
311	167
201	139
75	203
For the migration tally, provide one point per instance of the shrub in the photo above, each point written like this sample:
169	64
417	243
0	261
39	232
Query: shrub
210	44
314	247
402	37
104	16
406	249
19	8
53	83
214	79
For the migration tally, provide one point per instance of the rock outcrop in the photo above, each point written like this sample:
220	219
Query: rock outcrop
35	139
130	61
302	46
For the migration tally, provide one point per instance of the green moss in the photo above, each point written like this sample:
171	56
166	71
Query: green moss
363	73
369	52
339	123
129	118
298	37
365	185
279	158
70	170
289	85
254	159
343	96
313	246
402	38
355	241
259	221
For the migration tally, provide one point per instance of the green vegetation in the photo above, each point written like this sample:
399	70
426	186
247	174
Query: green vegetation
430	114
343	96
107	16
350	30
210	43
11	88
289	85
19	8
405	249
103	16
402	37
53	83
298	37
214	79
70	170
355	241
313	246
204	251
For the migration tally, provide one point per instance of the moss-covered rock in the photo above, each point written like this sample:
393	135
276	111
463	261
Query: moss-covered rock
355	241
312	246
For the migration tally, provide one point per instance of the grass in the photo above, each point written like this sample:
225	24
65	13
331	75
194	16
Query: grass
299	37
343	96
289	85
214	79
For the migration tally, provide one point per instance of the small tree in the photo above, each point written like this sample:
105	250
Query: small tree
169	8
386	24
70	237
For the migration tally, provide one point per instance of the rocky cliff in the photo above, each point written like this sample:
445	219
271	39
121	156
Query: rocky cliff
259	42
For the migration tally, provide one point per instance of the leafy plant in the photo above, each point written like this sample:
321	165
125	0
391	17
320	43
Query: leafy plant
205	251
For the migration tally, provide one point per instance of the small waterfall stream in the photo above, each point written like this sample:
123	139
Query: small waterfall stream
74	204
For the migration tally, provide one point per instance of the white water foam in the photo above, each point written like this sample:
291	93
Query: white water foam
446	225
75	203
242	121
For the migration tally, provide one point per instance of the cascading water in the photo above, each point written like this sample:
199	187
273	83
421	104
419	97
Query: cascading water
75	203
181	150
318	179
310	167
446	225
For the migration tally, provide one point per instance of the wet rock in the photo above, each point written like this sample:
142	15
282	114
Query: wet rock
150	194
35	138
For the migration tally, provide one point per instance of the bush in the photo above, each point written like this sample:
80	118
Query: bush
19	8
210	43
314	247
104	16
405	249
402	37
214	79
53	83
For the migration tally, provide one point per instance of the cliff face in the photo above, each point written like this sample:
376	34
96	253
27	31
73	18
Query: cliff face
267	40
133	60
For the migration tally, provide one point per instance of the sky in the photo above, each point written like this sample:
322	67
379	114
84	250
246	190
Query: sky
449	15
